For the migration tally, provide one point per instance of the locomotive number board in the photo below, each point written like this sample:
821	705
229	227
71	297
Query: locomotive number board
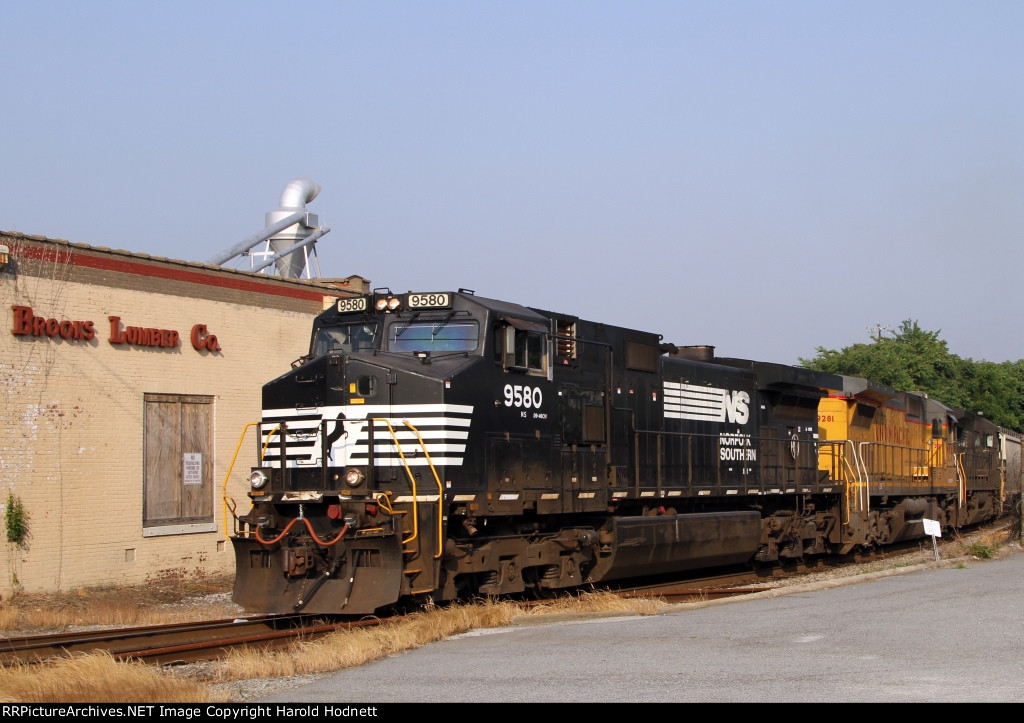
429	301
356	303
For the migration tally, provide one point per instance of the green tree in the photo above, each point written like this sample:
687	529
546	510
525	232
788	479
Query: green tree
914	359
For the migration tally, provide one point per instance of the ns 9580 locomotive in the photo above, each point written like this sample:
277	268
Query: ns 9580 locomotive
437	446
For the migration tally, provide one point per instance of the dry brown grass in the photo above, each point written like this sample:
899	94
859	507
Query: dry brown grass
100	678
113	606
97	678
598	602
111	614
349	648
993	540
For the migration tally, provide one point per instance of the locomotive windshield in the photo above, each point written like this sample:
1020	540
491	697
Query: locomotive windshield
344	338
436	335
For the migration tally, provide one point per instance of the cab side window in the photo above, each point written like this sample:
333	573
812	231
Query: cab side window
524	351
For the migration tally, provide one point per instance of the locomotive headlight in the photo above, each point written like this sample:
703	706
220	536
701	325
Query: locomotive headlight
354	477
258	479
388	303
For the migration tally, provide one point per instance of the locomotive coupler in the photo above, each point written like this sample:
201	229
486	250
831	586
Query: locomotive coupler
298	561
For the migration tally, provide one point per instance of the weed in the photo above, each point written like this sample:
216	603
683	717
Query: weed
981	549
16	521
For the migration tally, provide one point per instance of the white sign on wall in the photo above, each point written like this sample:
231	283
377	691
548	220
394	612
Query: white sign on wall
193	468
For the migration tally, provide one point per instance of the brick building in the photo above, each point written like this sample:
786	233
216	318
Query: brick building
128	382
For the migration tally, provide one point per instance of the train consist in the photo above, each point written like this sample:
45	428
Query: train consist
438	446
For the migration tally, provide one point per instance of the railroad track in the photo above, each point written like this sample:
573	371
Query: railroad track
170	644
181	643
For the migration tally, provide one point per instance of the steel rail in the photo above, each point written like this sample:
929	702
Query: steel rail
176	643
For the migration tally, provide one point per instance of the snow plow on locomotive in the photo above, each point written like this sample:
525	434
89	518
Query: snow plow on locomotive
436	446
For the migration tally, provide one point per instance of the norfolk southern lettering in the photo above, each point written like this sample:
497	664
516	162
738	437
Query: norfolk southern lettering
736	448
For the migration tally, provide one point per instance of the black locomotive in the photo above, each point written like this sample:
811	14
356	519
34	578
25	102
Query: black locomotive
437	446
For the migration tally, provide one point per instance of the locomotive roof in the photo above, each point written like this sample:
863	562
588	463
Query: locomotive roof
506	308
770	374
865	390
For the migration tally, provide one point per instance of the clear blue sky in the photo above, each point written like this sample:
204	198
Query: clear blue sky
766	177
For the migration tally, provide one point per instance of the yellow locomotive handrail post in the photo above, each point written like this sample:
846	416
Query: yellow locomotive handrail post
853	476
229	502
266	443
864	478
440	489
857	475
846	468
412	482
961	479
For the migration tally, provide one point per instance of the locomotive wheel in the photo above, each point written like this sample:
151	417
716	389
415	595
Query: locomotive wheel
538	592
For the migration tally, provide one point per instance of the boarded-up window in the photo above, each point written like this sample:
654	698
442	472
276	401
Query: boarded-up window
178	483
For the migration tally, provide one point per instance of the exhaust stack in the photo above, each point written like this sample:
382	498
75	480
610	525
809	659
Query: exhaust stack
290	234
296	194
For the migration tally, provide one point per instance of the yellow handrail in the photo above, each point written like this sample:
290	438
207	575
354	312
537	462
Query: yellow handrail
863	476
229	502
263	451
440	490
852	479
412	482
961	479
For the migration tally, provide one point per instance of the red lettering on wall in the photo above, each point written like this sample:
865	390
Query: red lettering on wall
116	335
22	320
202	341
140	335
27	323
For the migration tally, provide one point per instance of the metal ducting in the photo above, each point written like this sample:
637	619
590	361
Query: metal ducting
290	234
296	194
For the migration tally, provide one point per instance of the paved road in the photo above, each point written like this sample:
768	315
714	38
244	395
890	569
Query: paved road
948	634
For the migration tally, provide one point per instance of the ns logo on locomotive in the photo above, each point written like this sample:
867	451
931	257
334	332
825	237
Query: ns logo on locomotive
437	446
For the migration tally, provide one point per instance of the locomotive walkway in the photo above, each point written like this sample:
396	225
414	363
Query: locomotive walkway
953	633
